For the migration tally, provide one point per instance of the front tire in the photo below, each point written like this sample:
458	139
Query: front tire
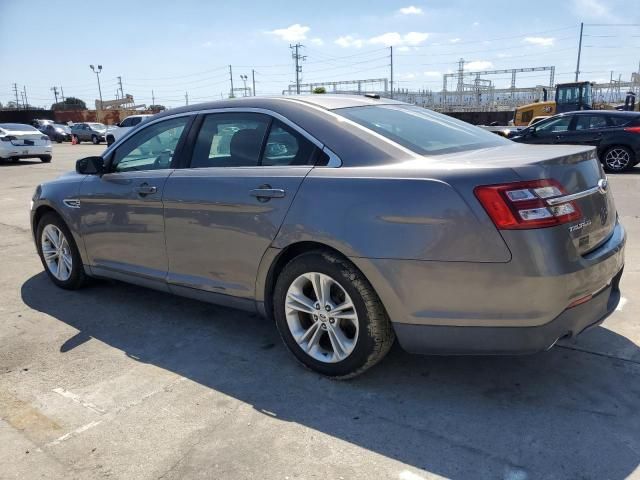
59	254
95	140
329	316
45	158
618	159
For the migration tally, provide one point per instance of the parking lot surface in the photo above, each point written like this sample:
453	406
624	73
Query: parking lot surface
116	381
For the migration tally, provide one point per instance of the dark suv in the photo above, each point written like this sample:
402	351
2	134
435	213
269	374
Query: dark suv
615	134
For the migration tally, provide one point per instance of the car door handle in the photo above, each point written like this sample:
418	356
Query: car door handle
145	189
264	192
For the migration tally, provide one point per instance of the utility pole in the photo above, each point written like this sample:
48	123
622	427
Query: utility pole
253	78
231	80
153	98
579	51
186	98
120	83
244	79
24	105
295	54
15	90
26	100
55	92
391	65
62	93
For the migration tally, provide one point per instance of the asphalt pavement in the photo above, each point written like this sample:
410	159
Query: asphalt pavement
116	381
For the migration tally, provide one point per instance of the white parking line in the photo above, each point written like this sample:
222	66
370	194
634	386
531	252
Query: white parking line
78	430
76	398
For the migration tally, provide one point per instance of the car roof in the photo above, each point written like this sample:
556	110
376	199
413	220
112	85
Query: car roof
616	113
324	101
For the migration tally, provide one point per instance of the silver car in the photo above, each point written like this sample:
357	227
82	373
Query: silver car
89	132
351	221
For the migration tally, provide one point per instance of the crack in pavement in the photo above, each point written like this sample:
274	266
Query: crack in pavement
599	354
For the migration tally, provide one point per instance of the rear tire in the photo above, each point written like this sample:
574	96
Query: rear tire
618	159
69	277
15	160
110	140
340	335
95	140
45	158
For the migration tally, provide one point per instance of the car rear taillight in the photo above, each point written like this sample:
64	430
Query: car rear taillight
522	205
632	129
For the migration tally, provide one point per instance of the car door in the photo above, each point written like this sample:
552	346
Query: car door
551	131
223	212
122	221
589	130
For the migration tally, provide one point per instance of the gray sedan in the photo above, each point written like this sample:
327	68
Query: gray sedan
89	132
351	221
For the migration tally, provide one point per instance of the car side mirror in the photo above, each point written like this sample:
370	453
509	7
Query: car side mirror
118	124
90	166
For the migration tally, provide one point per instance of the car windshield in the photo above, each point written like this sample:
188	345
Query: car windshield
97	126
423	131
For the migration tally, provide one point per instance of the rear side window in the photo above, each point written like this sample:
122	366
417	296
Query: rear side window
420	130
287	147
588	122
619	121
554	125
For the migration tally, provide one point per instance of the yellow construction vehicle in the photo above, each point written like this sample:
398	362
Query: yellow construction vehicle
569	98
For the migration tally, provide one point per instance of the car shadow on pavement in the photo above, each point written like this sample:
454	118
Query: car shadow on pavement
558	414
21	163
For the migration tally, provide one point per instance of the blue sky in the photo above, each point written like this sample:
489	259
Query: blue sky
175	47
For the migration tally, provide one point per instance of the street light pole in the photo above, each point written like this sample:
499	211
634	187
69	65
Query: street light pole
97	72
244	80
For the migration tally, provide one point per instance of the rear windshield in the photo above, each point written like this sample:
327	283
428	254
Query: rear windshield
18	127
423	131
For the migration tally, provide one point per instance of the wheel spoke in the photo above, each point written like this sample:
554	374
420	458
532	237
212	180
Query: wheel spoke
338	340
315	338
51	236
59	268
68	262
300	302
316	281
49	254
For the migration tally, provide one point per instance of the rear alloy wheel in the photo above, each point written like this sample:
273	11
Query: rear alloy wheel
618	159
95	140
59	254
329	316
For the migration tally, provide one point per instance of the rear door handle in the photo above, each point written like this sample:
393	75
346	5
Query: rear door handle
145	189
264	192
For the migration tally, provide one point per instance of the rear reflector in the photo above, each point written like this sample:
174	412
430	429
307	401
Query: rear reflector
522	205
580	301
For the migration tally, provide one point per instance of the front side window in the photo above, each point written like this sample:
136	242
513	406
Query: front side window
423	131
230	140
151	148
560	124
126	122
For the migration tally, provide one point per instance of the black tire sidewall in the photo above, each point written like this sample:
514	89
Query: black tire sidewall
315	262
77	277
95	140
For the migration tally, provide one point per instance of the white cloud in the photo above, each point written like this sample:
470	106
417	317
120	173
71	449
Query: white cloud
594	9
540	41
317	41
410	39
476	24
404	49
347	41
454	40
410	10
408	76
432	73
478	65
207	44
293	33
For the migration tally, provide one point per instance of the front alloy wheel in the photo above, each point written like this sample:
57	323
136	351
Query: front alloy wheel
329	316
617	159
95	140
322	317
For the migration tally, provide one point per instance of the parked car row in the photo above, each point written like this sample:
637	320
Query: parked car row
93	132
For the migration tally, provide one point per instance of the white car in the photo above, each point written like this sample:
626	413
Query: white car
18	140
125	126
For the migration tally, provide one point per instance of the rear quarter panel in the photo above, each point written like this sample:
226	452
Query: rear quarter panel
391	213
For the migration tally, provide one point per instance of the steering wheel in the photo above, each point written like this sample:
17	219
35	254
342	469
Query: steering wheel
163	160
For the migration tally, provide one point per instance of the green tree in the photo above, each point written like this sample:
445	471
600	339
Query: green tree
157	108
70	103
319	90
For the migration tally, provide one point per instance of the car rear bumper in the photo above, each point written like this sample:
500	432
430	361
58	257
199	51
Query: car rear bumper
465	307
26	151
452	340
